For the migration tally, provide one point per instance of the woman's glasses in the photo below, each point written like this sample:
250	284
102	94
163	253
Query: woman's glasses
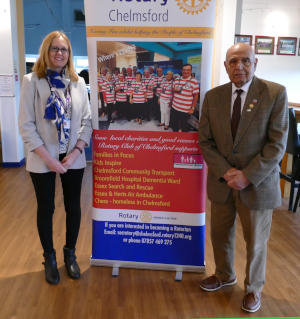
63	51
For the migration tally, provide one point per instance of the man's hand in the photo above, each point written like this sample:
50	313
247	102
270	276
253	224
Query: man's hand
228	175
236	179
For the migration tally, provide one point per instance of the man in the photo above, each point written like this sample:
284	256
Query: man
115	75
151	72
124	71
109	95
101	79
158	80
134	71
129	79
165	100
121	97
160	77
150	84
242	134
186	92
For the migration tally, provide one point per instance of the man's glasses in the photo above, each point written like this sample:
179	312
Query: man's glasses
245	61
63	51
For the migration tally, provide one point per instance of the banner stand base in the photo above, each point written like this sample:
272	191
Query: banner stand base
116	264
178	276
115	271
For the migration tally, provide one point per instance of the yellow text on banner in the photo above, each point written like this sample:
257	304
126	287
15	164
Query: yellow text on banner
154	32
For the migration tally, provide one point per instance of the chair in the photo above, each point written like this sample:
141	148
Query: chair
293	148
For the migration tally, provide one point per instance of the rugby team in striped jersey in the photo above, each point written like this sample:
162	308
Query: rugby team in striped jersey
131	95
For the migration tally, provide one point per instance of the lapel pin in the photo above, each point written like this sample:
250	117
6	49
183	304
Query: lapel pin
251	106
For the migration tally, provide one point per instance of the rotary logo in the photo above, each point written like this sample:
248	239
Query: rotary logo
193	6
146	217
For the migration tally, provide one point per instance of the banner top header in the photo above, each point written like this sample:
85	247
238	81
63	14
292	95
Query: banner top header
164	13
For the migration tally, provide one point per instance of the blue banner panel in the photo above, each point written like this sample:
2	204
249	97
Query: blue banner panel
148	243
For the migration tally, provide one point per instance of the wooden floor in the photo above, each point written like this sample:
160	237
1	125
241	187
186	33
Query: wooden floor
135	294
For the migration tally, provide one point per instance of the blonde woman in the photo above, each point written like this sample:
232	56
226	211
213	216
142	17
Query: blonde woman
55	124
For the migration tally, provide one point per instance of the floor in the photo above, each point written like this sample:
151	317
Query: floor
135	294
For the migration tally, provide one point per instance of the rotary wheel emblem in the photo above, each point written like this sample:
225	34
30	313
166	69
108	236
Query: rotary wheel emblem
193	6
146	217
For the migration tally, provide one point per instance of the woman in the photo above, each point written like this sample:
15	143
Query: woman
55	124
138	97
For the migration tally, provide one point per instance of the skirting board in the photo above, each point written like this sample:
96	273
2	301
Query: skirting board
13	164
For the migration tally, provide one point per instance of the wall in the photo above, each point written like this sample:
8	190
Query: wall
11	144
21	37
233	16
226	12
257	20
122	61
42	17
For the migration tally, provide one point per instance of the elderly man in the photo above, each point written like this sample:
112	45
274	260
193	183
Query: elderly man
242	134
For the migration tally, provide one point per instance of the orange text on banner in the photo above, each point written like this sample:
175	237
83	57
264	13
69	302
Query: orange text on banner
154	32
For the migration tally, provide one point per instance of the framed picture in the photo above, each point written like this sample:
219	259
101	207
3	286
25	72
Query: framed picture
264	45
286	46
244	38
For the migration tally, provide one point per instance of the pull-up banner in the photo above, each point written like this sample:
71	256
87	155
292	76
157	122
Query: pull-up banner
150	65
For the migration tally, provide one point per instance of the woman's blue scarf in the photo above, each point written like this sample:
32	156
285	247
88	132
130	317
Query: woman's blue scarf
55	106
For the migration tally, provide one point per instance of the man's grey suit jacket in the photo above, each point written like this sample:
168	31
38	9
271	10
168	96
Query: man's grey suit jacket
258	147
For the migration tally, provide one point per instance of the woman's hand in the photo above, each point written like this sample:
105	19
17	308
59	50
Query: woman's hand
55	166
52	163
69	159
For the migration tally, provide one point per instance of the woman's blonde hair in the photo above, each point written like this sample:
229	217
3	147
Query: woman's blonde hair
42	63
